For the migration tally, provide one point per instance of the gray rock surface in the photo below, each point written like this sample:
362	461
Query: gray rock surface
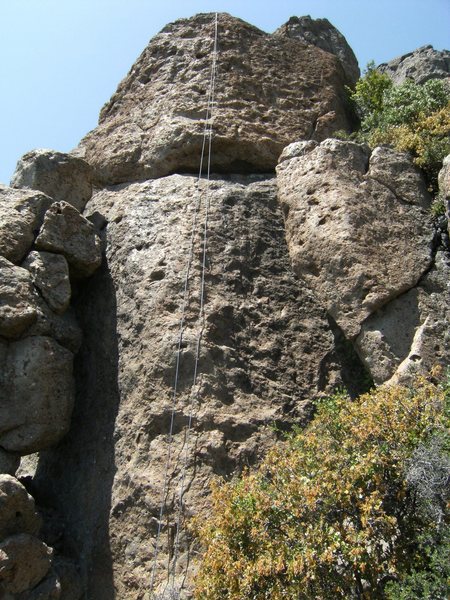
356	224
18	300
50	274
9	463
272	90
66	232
267	350
444	187
420	65
423	315
24	562
321	33
37	395
64	329
21	214
61	176
17	509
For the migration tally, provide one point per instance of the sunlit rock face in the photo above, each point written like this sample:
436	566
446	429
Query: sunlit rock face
271	90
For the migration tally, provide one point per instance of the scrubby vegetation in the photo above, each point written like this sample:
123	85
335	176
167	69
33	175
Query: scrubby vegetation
410	117
354	506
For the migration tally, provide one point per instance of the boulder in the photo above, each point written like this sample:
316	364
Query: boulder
17	510
50	274
18	300
420	65
321	33
270	90
61	176
21	215
24	562
66	232
357	225
37	398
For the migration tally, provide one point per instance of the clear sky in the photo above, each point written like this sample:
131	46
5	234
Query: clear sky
61	60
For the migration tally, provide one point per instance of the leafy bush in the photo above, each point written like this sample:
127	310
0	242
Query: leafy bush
338	510
410	117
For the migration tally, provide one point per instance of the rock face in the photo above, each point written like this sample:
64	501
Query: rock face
50	274
64	177
18	300
328	274
335	196
21	215
272	90
35	411
321	33
17	509
421	65
38	336
66	232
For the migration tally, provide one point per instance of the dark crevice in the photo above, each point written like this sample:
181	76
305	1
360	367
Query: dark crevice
355	375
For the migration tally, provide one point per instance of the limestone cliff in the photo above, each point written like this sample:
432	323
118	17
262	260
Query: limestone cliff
320	268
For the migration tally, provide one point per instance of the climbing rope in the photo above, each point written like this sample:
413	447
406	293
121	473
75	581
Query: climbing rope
206	144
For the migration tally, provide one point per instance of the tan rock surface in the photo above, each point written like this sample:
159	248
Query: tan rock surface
272	90
66	232
21	214
18	300
267	350
321	33
356	224
50	274
61	176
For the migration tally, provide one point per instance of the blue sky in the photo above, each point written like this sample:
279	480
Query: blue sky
61	60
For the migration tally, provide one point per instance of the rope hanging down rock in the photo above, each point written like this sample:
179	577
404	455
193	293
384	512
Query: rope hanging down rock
193	398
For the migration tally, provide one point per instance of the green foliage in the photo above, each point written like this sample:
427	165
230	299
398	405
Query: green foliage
369	95
340	509
410	117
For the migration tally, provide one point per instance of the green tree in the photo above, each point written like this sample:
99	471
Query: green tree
410	117
337	511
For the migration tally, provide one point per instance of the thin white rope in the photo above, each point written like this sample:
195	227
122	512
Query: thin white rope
207	135
194	390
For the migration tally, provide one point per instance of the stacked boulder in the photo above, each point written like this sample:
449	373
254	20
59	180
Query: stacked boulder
46	247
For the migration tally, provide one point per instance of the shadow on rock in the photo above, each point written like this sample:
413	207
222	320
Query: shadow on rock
75	478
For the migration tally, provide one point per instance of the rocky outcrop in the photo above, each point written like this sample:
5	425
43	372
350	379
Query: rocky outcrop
328	275
335	196
36	409
38	338
321	33
50	275
272	90
66	232
21	215
420	65
267	351
64	177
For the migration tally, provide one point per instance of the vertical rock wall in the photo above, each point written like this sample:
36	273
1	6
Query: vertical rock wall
328	274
